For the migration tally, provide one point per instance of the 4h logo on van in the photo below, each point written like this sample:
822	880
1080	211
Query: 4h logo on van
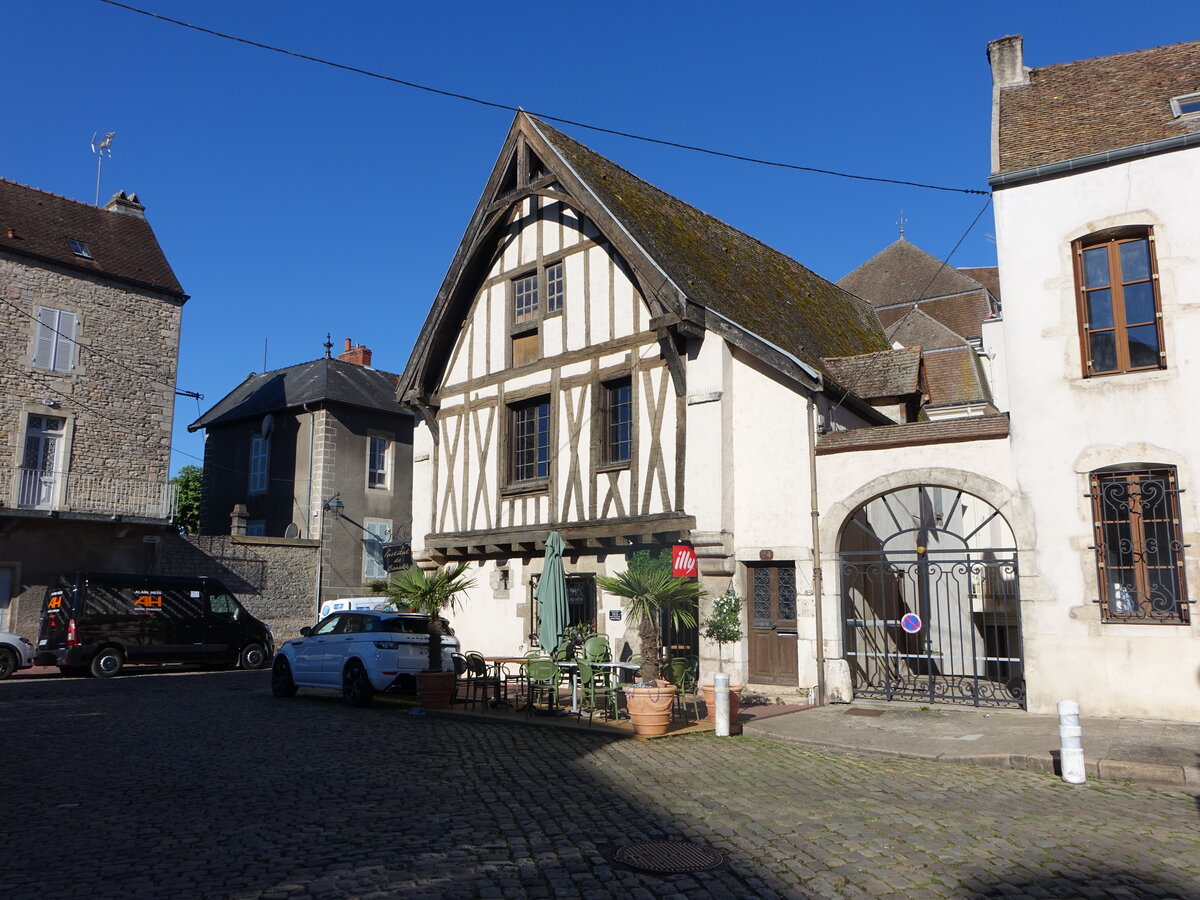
148	603
54	604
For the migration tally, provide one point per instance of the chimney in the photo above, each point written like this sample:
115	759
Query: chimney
126	205
1008	61
355	355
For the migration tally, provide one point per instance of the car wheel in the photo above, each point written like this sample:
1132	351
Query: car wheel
356	687
282	683
107	662
253	656
8	663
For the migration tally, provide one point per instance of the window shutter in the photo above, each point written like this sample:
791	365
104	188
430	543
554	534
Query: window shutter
43	351
64	356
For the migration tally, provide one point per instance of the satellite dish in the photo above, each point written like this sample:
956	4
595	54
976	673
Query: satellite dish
268	425
292	531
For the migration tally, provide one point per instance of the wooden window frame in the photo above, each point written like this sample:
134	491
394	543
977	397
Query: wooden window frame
520	475
1111	240
379	476
1119	510
607	443
527	324
55	346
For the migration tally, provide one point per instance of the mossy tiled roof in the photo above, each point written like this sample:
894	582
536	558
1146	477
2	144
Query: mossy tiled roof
714	264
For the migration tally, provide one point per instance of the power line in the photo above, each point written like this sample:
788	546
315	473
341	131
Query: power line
975	220
492	104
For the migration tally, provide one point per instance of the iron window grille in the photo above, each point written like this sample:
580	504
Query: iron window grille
530	441
1120	312
1139	546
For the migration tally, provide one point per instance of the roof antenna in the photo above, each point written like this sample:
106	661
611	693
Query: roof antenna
328	345
101	149
901	222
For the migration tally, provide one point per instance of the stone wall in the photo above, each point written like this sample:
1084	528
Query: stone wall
274	578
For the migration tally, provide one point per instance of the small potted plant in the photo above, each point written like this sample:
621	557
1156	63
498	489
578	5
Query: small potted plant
430	594
724	626
652	591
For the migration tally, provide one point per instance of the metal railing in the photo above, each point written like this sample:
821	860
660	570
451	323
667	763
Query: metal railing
35	489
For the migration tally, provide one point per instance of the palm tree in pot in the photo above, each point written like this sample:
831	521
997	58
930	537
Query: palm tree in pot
431	594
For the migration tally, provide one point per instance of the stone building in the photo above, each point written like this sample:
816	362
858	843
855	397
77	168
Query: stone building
318	453
89	326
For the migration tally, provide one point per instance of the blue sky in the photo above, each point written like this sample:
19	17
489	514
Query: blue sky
293	199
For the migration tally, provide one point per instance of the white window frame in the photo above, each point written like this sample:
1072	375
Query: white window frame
260	463
1176	105
379	478
377	532
54	348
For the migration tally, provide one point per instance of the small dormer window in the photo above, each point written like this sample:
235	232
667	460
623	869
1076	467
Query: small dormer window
1185	106
79	248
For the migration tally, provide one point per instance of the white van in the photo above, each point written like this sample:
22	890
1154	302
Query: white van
351	603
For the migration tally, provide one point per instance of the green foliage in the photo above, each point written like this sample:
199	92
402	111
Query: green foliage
187	498
724	624
431	594
652	591
645	561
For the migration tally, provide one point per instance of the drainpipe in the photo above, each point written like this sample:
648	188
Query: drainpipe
816	549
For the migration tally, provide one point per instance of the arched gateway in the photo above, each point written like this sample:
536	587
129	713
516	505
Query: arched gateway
930	600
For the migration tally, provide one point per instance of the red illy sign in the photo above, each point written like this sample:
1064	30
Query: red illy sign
683	561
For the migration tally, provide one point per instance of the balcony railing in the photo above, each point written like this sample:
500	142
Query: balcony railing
34	489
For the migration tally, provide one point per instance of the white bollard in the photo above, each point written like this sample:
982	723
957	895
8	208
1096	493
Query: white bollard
721	701
1070	735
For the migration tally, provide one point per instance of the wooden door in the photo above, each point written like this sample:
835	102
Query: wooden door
771	612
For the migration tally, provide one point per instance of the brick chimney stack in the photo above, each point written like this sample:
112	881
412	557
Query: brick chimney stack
355	354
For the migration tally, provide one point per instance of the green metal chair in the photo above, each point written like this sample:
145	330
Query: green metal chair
596	649
597	689
684	673
543	676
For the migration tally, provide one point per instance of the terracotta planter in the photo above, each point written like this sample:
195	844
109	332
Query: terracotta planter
650	708
710	703
434	689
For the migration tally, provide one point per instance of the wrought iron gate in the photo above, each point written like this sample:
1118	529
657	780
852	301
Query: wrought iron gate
930	600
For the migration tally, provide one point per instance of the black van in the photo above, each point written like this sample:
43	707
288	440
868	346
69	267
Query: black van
106	620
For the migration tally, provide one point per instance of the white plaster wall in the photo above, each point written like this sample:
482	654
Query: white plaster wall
1064	426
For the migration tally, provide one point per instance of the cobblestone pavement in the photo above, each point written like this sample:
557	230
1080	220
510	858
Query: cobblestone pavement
203	785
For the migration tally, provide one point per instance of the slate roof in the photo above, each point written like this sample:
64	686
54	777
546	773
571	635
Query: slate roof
323	380
874	376
726	270
40	225
1079	108
902	276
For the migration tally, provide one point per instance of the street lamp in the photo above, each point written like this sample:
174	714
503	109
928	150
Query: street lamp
334	505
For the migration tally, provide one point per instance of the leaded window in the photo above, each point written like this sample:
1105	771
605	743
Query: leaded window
530	441
525	298
1120	313
1139	546
554	287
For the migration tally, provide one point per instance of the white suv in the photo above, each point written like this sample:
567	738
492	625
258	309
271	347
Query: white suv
359	651
16	652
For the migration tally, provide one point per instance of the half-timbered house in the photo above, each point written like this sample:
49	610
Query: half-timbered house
609	362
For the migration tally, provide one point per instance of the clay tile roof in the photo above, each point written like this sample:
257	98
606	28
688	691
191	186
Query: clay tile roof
872	376
1079	108
36	224
320	381
903	272
988	276
946	431
916	328
955	375
755	286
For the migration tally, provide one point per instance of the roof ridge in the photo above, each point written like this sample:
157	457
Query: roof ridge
1075	62
30	187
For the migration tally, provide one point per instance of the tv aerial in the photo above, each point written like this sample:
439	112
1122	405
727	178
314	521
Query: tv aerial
101	148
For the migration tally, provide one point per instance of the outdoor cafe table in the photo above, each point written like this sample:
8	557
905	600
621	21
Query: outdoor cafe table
568	664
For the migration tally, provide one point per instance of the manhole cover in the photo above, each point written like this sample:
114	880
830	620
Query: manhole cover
669	857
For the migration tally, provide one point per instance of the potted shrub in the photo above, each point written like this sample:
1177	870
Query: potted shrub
652	591
431	594
724	626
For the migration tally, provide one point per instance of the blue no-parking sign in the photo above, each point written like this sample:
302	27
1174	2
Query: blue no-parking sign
911	623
